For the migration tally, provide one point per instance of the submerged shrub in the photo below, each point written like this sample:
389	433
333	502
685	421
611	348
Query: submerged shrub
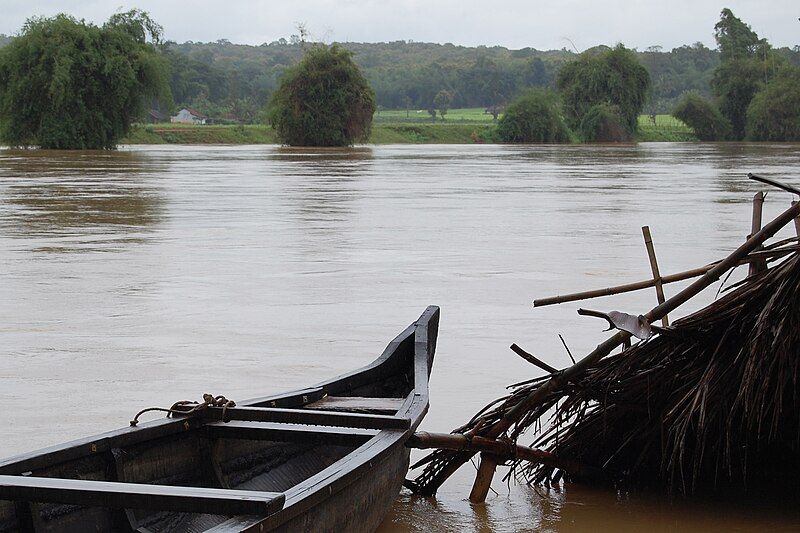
613	76
603	123
703	117
774	113
323	101
534	117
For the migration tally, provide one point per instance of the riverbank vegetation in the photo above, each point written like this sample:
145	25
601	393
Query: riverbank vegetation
414	83
665	129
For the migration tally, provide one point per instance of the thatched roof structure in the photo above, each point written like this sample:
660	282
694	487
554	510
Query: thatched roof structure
711	402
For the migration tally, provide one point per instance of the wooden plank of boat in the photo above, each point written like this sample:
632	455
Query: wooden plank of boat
289	433
358	404
115	495
308	416
278	444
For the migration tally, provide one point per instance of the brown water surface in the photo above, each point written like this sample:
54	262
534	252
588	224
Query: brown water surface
152	274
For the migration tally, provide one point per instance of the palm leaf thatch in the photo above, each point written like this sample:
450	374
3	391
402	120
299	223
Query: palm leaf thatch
712	401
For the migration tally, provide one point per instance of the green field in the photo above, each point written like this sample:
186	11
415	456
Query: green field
666	128
463	126
473	115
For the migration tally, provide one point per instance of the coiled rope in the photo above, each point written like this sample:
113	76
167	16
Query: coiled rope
190	407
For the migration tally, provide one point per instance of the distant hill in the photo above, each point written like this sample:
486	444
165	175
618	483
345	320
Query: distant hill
411	73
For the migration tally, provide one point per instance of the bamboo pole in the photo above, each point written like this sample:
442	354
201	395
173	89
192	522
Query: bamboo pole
502	449
758	208
644	284
651	255
558	380
796	223
483	479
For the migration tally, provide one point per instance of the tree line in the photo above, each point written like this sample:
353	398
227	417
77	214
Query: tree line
67	83
219	78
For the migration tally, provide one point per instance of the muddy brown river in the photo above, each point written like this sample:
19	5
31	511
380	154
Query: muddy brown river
156	273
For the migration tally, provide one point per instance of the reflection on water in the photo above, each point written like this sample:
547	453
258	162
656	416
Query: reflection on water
77	201
324	194
246	270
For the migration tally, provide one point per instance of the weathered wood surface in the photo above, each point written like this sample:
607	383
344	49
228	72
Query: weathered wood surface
308	416
301	433
115	495
358	404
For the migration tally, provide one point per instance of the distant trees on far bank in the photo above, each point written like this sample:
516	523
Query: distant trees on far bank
756	90
66	84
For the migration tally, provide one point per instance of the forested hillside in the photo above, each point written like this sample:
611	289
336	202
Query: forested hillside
409	74
222	78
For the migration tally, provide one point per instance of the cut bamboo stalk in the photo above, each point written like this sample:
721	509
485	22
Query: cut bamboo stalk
524	406
651	255
483	480
756	266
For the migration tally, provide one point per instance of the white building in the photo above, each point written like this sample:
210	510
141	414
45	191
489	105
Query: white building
189	116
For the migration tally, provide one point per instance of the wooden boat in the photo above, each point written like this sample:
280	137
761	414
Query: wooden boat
327	458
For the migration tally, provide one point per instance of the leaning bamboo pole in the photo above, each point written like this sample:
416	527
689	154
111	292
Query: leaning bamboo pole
651	255
556	381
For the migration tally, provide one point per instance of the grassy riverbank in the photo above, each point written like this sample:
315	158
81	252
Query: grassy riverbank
463	126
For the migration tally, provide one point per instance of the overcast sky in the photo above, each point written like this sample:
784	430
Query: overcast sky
513	23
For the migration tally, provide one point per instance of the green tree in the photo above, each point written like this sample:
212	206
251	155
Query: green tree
407	104
442	101
323	101
534	117
613	76
735	39
774	113
746	65
703	117
66	84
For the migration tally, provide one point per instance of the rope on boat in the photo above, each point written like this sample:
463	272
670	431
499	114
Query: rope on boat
190	407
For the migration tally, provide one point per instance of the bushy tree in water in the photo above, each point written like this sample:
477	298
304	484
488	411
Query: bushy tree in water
614	77
323	101
66	84
534	117
703	117
774	113
603	123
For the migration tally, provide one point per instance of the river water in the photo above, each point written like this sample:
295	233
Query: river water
157	273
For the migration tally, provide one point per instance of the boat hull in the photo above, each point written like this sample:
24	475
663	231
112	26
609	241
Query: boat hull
331	457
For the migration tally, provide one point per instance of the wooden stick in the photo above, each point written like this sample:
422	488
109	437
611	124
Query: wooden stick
755	225
533	359
651	254
483	479
796	223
